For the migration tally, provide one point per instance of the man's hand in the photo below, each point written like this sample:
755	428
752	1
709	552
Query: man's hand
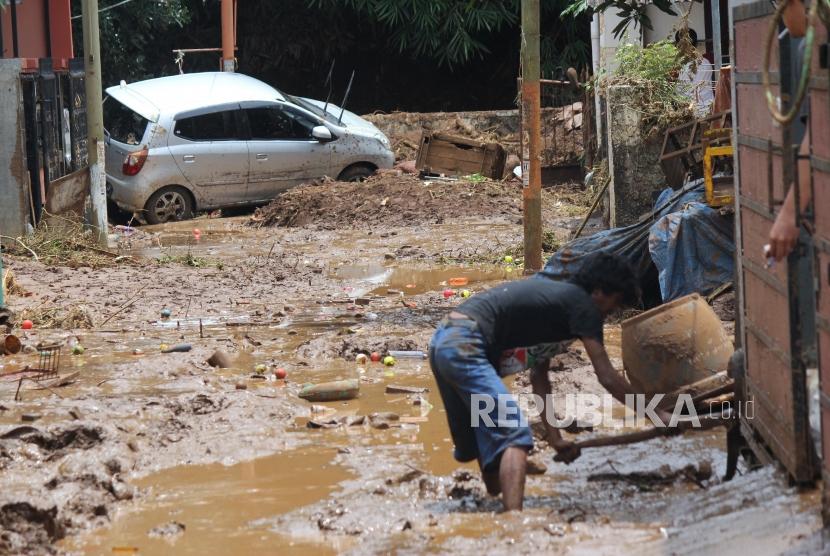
566	450
665	417
795	18
783	235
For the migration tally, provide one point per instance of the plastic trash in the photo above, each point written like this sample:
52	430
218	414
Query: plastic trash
11	345
417	354
178	348
219	359
331	391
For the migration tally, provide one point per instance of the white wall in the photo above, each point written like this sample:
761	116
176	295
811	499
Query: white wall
664	24
608	43
663	27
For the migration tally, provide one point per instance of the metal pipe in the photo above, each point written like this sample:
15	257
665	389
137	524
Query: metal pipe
716	38
48	27
15	49
595	65
196	50
532	137
95	119
228	61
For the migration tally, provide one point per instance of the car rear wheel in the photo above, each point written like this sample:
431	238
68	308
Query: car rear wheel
356	173
169	204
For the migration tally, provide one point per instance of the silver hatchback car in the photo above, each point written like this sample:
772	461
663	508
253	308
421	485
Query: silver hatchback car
210	140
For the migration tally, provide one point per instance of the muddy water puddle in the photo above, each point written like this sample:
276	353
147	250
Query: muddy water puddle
217	505
220	506
375	278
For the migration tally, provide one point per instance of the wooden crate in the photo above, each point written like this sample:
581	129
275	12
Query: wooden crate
684	145
440	153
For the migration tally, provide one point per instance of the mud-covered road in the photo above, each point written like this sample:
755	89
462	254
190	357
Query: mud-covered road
158	453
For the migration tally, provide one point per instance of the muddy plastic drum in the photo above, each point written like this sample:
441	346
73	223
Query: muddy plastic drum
674	345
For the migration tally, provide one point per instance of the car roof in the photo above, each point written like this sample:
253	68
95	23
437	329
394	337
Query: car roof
190	91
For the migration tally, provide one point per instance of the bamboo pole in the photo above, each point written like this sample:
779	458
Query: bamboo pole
531	130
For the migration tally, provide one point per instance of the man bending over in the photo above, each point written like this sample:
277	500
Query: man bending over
465	350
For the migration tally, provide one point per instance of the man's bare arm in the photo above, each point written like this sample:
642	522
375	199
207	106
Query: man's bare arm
607	375
783	235
540	382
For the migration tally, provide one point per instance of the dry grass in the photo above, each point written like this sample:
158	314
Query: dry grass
61	242
62	317
10	285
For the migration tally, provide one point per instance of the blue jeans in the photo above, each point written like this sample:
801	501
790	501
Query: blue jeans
484	418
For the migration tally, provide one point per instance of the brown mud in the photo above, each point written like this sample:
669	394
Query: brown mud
158	453
392	198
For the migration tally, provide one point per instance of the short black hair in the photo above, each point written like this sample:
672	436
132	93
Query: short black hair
610	274
692	36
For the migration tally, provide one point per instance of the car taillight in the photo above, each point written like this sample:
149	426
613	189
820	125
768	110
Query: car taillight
135	162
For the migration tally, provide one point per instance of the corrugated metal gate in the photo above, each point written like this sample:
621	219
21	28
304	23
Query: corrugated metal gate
779	301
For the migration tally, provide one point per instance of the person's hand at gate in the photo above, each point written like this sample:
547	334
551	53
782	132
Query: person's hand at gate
783	236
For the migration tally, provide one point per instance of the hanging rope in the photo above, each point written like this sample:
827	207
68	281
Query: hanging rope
809	38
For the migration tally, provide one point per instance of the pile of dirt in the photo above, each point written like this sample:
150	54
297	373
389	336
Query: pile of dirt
391	199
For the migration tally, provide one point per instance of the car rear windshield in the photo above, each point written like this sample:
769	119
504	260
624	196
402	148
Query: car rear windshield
123	125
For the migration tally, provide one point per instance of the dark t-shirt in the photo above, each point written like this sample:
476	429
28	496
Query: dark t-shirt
532	311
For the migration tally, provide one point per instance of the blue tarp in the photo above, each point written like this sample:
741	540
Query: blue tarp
684	247
693	249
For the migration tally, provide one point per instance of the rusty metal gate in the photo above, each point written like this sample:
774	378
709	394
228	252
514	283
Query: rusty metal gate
820	169
566	124
54	104
779	300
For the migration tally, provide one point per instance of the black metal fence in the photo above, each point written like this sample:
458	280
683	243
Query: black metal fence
54	104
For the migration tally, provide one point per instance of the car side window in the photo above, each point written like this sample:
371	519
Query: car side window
216	126
279	123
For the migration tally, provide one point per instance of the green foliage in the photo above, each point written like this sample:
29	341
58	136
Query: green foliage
391	43
629	11
657	62
652	72
448	30
550	243
187	259
137	38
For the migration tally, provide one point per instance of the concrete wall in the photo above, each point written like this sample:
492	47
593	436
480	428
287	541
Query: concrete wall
633	161
14	176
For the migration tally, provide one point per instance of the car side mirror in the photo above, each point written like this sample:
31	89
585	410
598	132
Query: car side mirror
321	133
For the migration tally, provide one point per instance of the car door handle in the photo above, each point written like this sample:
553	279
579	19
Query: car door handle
189	158
261	156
